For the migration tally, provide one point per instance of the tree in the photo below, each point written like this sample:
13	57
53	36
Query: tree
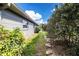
63	25
44	26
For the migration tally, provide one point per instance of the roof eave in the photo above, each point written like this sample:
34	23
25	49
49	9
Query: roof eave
14	8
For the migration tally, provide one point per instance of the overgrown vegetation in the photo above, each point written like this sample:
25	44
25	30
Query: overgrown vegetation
64	26
10	42
37	29
35	44
13	43
44	26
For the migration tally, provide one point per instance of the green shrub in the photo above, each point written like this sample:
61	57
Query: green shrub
10	42
37	29
29	49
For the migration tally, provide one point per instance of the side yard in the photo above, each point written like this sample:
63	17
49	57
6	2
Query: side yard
13	43
35	45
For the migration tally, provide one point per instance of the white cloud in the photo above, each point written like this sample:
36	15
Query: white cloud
35	16
45	22
41	21
53	10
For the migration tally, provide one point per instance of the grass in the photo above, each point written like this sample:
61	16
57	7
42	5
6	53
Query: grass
35	45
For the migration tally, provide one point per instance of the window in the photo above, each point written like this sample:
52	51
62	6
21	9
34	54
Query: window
25	25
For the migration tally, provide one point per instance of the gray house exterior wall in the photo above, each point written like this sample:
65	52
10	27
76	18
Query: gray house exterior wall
0	16
11	21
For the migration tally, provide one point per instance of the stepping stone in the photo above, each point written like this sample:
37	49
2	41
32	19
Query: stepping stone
48	41
48	52
48	45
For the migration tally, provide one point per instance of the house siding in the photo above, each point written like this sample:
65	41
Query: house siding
0	16
11	21
29	31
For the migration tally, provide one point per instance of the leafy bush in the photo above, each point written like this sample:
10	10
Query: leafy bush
10	42
37	29
44	27
29	47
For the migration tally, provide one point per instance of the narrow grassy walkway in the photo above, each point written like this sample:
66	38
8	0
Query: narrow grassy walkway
35	45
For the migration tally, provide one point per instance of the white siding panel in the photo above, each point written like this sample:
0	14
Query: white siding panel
11	24
0	16
11	21
30	30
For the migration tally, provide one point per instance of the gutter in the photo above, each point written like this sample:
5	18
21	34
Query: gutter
13	7
20	12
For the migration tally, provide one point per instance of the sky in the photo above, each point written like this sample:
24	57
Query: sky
39	12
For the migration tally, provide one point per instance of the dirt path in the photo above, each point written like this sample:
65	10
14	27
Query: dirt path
49	51
53	50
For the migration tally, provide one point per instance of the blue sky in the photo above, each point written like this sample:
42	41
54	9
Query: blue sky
43	10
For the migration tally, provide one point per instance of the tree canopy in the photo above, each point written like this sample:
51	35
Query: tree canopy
64	24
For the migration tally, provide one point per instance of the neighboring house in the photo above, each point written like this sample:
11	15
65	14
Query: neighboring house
12	17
